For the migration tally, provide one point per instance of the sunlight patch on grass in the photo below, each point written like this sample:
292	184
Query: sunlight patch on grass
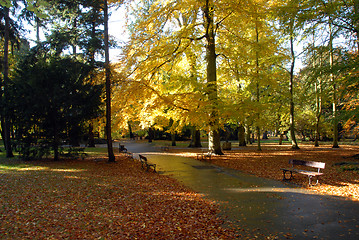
67	170
22	168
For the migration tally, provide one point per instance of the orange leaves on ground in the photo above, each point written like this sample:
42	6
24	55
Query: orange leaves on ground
268	164
97	200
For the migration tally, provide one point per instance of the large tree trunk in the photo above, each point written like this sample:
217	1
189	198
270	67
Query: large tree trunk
111	156
151	134
130	130
7	140
291	87
214	141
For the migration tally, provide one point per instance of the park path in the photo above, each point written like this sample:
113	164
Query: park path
261	207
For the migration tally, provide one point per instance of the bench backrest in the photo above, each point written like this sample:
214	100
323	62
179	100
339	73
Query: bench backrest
143	157
307	163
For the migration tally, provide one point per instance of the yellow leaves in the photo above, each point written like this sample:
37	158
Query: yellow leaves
165	62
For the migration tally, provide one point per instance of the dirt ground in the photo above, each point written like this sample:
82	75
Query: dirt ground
341	173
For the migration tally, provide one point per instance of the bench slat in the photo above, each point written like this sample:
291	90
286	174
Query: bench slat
307	163
309	173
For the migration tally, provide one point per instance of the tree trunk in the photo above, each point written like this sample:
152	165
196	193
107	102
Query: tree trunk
111	156
91	142
130	130
265	135
74	136
38	23
281	139
195	138
318	113
55	144
248	134
2	129
356	23
7	140
332	79
241	135
259	148
214	141
291	87
318	100
173	139
150	134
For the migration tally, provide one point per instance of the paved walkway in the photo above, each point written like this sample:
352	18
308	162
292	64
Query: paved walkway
260	206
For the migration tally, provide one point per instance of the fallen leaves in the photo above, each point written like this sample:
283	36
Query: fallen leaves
97	200
267	164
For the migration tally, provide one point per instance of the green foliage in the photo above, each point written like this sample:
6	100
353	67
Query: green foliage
50	96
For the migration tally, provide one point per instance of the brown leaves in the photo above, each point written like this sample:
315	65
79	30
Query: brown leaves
267	163
90	200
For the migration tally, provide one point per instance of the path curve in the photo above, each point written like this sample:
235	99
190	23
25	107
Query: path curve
260	207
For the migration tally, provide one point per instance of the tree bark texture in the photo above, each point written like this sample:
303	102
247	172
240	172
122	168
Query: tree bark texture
111	156
291	90
214	141
7	140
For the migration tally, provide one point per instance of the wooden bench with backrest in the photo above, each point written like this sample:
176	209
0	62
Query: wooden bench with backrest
146	165
122	149
310	174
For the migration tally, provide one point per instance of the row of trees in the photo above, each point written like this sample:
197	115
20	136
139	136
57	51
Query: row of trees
198	63
209	63
53	90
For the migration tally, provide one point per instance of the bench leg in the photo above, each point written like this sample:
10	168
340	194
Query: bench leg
149	167
310	184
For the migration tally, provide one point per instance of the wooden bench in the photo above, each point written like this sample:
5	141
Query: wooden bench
204	155
310	174
74	152
128	155
122	149
165	148
146	165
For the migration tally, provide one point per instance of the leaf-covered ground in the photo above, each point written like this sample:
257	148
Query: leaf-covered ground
87	199
341	174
